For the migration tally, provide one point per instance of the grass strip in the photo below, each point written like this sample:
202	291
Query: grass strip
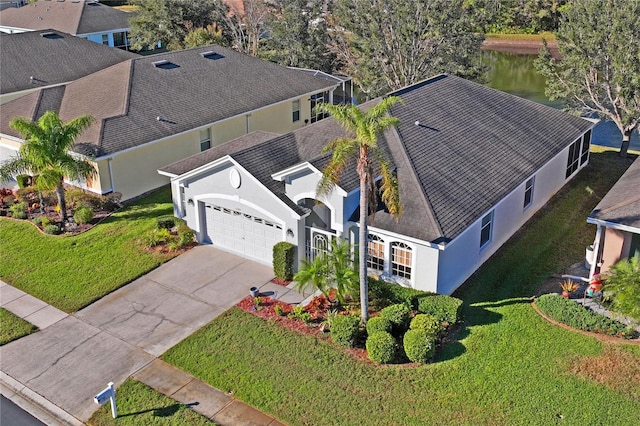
13	327
138	404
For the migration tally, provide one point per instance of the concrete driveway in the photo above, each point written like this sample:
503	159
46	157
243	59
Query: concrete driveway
69	362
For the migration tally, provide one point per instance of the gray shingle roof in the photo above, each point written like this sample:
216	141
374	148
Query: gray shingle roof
54	59
474	146
621	205
127	98
70	16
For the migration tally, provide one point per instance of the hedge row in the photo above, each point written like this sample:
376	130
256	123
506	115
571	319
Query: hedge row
577	316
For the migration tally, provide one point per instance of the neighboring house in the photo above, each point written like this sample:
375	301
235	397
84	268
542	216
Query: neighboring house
473	164
53	58
153	110
617	217
81	18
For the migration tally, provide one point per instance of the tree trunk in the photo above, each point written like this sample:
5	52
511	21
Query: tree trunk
626	137
362	252
41	200
61	203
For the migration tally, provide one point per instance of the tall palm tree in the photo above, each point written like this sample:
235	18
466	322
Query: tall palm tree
361	144
45	153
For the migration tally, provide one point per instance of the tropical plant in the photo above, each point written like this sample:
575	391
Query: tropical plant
623	287
569	286
361	144
333	269
45	152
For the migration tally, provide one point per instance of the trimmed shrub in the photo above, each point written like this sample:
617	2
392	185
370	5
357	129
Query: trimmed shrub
384	294
51	229
345	330
428	323
165	222
19	210
577	316
377	324
445	308
398	315
24	181
283	255
419	345
77	198
185	236
382	347
83	215
156	237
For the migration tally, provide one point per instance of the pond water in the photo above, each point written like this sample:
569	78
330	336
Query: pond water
516	74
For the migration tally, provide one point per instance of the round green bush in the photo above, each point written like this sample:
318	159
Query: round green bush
83	215
42	221
382	347
376	324
419	345
398	315
345	330
445	308
428	323
51	229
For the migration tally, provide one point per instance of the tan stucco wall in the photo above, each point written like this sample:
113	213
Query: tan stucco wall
616	247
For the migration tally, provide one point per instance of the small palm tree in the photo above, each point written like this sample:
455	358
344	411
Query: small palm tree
45	153
364	128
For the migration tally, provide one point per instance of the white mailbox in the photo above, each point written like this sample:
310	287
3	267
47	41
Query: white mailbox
108	394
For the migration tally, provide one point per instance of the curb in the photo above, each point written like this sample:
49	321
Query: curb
35	404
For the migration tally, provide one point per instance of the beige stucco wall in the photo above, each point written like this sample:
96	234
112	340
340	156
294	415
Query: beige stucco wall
616	243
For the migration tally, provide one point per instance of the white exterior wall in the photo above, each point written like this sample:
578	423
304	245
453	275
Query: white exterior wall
213	186
463	256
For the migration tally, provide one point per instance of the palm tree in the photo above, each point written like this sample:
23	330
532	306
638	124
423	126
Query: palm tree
45	153
364	128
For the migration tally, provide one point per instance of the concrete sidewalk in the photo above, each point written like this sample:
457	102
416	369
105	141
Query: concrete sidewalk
73	357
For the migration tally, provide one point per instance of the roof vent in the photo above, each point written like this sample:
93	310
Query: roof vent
211	55
165	65
50	35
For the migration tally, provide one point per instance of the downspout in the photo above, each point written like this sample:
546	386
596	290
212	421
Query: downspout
596	251
113	184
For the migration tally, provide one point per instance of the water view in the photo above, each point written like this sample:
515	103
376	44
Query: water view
516	74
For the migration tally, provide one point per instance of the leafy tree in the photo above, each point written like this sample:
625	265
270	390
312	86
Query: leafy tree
364	128
169	21
45	153
298	35
333	269
519	16
599	73
245	26
623	284
204	37
387	45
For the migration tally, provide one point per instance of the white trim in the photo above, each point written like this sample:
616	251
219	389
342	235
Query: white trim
395	235
613	225
228	159
11	138
283	174
110	31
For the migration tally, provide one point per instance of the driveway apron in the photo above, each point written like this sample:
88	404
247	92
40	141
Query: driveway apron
71	361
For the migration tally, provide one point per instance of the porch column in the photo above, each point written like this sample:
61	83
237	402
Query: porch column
596	251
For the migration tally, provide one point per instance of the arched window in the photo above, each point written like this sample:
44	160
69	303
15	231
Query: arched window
375	250
401	260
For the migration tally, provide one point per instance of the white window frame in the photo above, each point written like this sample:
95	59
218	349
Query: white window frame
528	192
487	223
379	255
295	111
206	140
408	276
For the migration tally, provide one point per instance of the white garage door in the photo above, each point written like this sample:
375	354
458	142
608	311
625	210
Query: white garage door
242	233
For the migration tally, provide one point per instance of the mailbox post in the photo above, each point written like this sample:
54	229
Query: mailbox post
108	394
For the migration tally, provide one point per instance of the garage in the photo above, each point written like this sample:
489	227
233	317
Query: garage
240	232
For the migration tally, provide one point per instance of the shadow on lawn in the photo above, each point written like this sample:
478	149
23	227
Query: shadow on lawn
166	411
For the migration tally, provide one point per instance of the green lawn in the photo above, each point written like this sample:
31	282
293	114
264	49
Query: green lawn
13	327
138	404
71	272
509	366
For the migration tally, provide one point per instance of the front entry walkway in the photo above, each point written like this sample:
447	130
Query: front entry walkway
70	361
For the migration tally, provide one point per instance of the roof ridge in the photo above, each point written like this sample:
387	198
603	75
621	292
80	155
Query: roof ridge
431	217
